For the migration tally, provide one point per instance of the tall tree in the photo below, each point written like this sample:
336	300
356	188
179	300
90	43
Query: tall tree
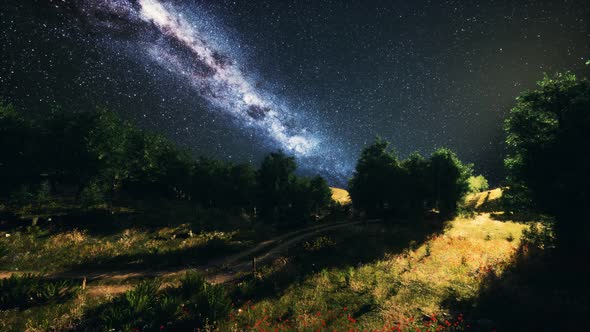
449	181
373	181
548	142
276	178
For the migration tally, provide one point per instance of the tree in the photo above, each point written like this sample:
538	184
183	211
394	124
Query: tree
18	158
285	198
449	181
547	135
276	181
416	185
373	181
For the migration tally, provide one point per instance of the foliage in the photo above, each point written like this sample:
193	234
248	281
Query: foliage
285	198
478	184
98	157
449	179
92	195
382	185
194	304
547	131
30	290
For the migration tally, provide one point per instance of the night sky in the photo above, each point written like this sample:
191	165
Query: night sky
235	80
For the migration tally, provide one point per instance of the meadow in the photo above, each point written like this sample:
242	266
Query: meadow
385	275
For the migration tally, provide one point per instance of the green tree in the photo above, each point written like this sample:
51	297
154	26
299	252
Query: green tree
108	142
19	164
547	135
416	184
276	180
373	181
449	181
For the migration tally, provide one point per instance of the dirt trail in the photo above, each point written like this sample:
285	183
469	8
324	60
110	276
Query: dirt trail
218	271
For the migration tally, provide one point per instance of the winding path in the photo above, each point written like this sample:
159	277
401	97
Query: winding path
223	270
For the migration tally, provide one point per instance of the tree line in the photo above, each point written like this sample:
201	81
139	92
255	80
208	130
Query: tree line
383	185
96	157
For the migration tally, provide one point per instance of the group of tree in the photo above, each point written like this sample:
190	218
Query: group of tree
383	185
548	160
96	157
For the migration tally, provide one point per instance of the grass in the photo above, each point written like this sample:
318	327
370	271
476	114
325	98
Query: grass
485	201
390	276
38	250
400	286
193	303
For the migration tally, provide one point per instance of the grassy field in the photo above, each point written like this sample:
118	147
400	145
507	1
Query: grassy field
343	281
374	276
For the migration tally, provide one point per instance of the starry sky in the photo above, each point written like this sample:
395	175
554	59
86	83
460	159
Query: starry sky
235	80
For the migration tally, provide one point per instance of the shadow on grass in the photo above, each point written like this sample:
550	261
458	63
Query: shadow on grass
174	259
349	247
523	217
105	221
539	291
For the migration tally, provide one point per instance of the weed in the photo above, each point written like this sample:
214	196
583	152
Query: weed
30	290
193	304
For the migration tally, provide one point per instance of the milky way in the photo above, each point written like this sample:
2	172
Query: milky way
236	79
184	47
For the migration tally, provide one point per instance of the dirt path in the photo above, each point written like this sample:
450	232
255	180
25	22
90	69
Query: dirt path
218	271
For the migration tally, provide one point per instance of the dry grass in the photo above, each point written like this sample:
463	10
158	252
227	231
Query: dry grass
479	200
416	282
61	251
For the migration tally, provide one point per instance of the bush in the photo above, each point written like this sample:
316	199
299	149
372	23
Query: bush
92	195
29	290
193	304
478	184
43	195
22	196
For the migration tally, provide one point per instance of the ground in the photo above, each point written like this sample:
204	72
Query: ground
340	275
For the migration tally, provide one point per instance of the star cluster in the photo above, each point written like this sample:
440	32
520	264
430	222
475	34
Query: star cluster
237	79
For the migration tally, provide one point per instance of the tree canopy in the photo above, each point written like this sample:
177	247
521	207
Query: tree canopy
548	161
98	157
383	185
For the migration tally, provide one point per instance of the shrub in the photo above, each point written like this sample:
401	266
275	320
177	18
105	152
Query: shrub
539	236
92	195
22	196
193	304
478	184
29	290
43	195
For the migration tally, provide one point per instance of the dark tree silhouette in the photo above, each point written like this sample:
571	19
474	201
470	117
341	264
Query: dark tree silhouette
449	181
383	186
548	139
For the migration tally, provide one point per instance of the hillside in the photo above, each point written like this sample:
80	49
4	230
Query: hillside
355	276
